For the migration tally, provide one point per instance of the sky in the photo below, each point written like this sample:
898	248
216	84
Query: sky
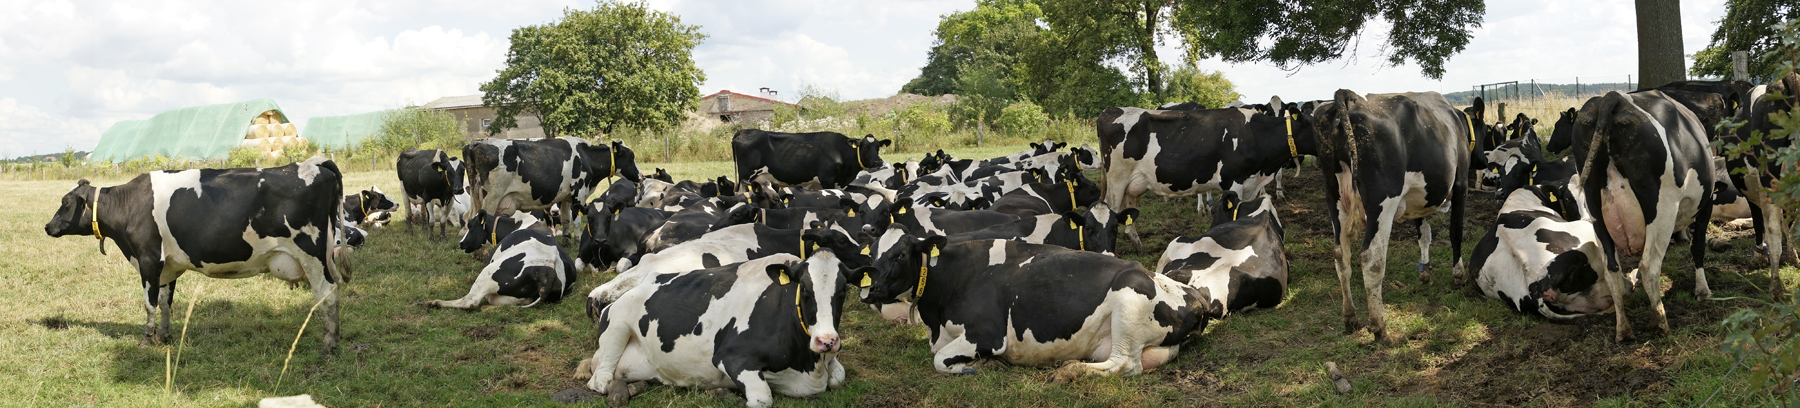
71	69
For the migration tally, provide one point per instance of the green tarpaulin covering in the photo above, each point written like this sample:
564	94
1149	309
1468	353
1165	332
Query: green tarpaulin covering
197	132
338	132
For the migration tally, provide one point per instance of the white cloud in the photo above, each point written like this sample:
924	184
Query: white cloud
27	130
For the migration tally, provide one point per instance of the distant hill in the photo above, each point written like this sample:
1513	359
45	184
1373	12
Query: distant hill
1527	90
26	159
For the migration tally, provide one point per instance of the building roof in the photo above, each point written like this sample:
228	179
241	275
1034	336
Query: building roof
194	132
454	102
735	94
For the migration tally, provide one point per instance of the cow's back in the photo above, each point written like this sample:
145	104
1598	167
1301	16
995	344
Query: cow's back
205	215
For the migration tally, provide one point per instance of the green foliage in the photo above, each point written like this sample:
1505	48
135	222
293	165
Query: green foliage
1022	117
1190	84
68	157
815	103
912	123
991	36
983	92
1295	34
620	65
1768	341
415	128
1746	27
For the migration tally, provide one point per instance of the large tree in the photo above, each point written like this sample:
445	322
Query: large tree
1747	26
990	37
1659	43
620	65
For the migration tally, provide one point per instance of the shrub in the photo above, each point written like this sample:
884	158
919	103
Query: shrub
416	128
1022	117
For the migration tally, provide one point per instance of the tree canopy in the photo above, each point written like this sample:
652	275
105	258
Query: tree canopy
620	65
1747	26
1082	56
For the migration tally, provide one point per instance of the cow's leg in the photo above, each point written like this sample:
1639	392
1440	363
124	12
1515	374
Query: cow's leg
1772	243
836	379
1424	227
955	355
1378	227
166	298
610	361
1458	196
757	393
1618	287
1697	246
1127	344
1280	192
483	288
150	272
1658	235
327	293
409	215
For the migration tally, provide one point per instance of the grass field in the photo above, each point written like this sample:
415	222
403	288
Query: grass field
74	328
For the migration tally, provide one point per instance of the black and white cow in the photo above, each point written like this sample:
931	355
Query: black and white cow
1758	175
1018	302
1238	264
1183	153
737	243
1049	198
528	175
927	220
819	159
222	223
706	216
1540	257
764	326
366	208
1046	146
527	267
612	235
1093	230
1389	158
1645	170
432	180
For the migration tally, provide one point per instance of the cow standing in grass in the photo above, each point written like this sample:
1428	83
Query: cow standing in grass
1391	158
222	223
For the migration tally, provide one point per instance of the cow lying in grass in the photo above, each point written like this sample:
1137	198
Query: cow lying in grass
1540	257
527	267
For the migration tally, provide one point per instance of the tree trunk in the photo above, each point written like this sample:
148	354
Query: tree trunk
1660	59
1147	45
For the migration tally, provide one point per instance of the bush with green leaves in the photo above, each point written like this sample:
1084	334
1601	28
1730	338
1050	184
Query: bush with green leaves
1190	84
416	128
1022	118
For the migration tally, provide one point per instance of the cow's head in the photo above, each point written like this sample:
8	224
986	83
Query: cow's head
819	283
624	161
1086	157
487	229
867	151
76	216
898	258
1516	161
1231	207
1580	290
725	186
1098	226
594	233
927	165
1045	147
450	169
1563	134
1084	190
765	195
663	175
375	200
1298	126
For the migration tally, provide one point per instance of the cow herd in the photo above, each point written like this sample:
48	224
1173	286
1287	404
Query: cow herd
740	282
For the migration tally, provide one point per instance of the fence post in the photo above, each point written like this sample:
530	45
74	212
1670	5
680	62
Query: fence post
980	132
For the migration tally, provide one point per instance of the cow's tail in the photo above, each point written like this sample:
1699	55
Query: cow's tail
1347	100
1603	118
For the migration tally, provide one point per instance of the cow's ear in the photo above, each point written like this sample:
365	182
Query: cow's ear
1059	145
1128	215
438	166
1033	145
887	142
1074	219
864	276
779	274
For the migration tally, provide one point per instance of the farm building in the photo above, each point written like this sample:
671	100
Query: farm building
200	132
475	118
338	132
731	107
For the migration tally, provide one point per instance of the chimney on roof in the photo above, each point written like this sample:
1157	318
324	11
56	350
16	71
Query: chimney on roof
766	92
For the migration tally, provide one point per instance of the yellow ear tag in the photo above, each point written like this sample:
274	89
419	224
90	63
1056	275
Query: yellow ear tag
1071	224
853	212
865	250
934	252
865	281
784	200
1127	220
784	279
1552	198
902	210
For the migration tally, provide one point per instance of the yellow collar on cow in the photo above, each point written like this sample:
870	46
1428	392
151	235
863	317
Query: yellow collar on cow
494	234
803	246
1292	150
612	163
1470	119
798	314
1531	177
94	207
858	147
924	266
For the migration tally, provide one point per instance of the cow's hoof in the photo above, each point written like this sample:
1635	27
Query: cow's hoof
1067	373
1759	260
585	370
1351	326
1424	274
618	394
1702	293
575	395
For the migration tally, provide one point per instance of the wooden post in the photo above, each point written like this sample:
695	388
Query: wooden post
1502	111
980	132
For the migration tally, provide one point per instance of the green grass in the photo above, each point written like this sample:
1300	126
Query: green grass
73	333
